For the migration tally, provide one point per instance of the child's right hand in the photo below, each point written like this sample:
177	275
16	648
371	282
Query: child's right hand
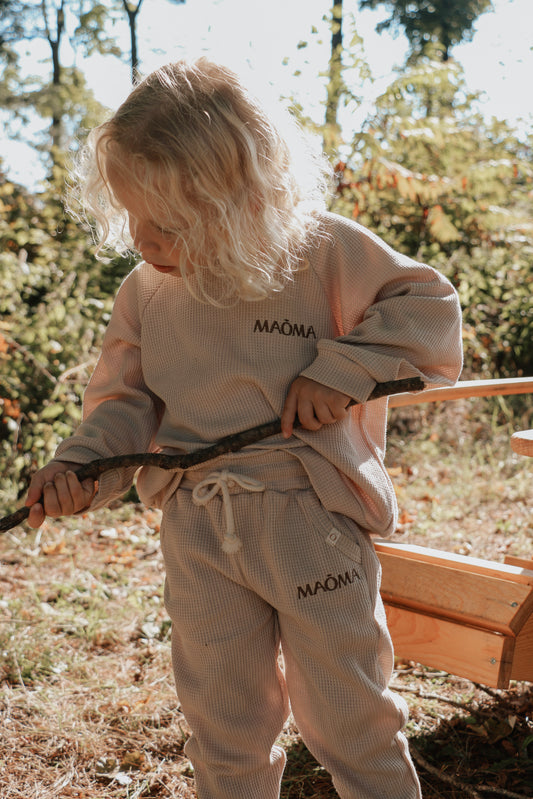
56	491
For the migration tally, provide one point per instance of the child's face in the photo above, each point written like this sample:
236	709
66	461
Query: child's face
156	245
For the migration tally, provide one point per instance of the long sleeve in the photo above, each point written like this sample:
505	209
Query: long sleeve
120	414
391	317
410	325
176	374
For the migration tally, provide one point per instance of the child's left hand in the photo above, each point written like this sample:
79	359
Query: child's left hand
314	404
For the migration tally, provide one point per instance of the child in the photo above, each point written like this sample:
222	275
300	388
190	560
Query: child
250	304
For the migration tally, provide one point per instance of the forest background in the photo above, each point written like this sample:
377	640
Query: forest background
87	705
424	168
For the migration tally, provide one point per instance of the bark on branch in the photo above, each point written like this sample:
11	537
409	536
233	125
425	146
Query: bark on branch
231	443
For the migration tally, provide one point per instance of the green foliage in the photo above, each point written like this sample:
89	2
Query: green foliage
72	101
91	31
426	173
494	286
440	184
60	96
440	24
54	306
23	658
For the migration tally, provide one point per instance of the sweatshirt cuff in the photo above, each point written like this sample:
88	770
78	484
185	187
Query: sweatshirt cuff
111	484
337	371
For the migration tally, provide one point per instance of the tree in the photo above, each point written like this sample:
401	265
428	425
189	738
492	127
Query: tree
426	170
54	306
83	21
443	185
62	96
54	28
334	88
347	71
430	24
132	12
24	21
11	28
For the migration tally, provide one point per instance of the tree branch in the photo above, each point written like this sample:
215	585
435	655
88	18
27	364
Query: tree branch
231	443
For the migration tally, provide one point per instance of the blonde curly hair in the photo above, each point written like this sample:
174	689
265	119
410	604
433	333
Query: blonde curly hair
216	173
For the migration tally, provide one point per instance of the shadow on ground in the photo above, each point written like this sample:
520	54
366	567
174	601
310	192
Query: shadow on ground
304	776
482	750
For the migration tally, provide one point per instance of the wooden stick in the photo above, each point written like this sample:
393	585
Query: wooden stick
231	443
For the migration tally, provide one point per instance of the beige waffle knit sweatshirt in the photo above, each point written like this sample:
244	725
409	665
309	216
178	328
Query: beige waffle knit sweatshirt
176	374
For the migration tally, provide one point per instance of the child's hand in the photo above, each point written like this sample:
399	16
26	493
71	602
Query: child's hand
314	404
56	491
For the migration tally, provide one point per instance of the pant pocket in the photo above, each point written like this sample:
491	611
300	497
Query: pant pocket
328	527
345	545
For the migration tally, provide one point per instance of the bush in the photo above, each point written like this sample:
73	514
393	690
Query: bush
494	290
54	307
445	186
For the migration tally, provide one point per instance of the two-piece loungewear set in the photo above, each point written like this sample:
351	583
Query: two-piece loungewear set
273	545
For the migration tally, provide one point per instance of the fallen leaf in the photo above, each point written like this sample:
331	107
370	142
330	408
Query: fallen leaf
132	760
405	518
54	548
394	471
497	729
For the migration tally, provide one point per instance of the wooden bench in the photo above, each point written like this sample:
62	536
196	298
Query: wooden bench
471	617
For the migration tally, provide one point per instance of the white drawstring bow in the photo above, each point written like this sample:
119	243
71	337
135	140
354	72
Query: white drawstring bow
204	491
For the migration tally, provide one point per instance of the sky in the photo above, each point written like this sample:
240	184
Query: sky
260	39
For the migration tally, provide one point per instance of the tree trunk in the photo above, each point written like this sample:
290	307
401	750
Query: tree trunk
335	66
132	13
55	44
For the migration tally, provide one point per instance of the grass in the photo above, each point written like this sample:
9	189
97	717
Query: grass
459	485
87	702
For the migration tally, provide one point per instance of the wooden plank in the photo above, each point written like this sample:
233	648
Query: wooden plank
465	389
522	666
471	598
478	655
522	442
522	563
489	568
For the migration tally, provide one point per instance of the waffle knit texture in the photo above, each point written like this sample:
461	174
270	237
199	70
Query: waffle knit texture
176	374
305	579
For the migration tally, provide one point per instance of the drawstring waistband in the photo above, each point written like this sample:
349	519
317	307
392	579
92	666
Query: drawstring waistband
216	482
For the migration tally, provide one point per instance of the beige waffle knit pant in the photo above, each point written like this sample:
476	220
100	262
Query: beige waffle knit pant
303	578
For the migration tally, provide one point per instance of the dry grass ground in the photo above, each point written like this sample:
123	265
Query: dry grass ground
87	703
